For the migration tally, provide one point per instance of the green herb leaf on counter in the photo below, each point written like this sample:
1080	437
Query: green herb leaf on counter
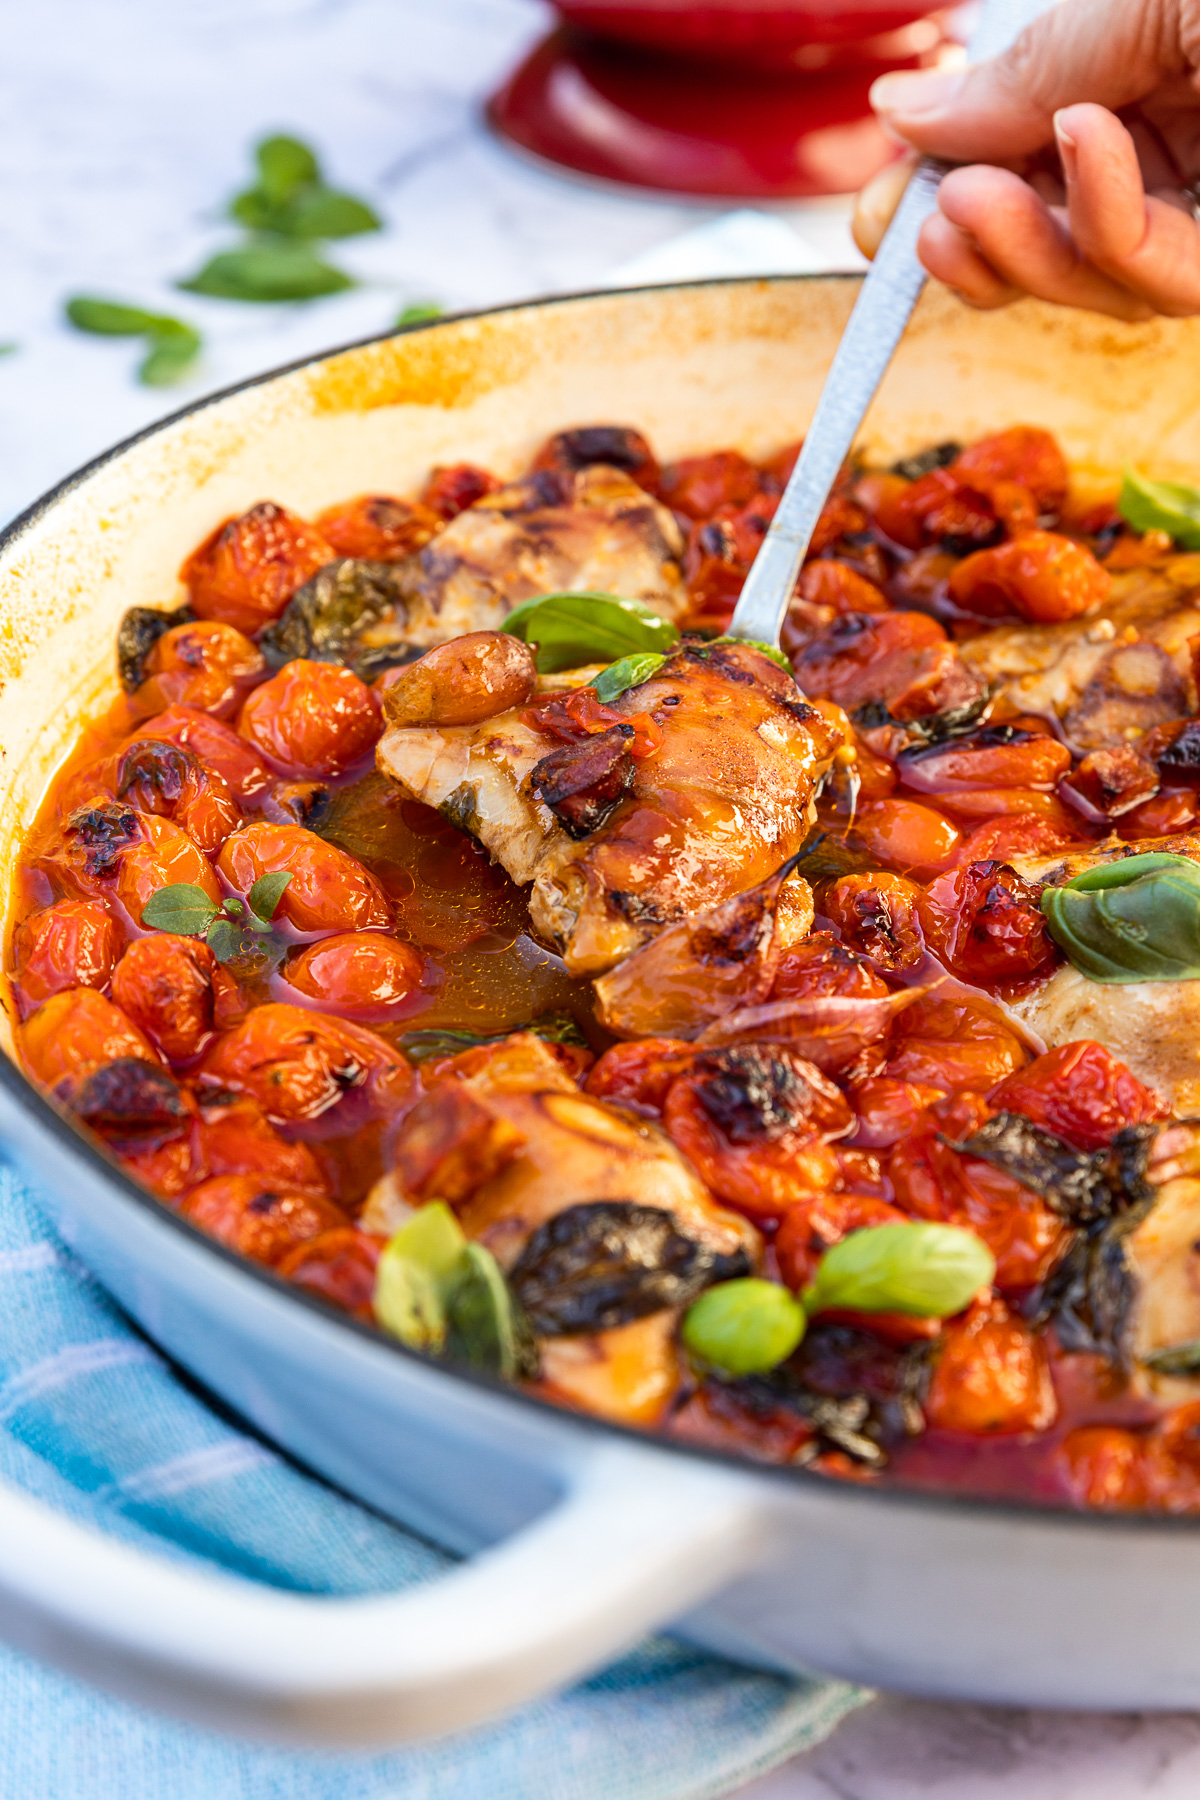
1134	920
172	345
551	1027
437	1292
573	629
266	271
775	655
418	312
291	199
925	1271
7	349
1161	506
630	672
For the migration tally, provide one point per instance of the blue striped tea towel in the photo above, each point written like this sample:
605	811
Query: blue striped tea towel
94	1422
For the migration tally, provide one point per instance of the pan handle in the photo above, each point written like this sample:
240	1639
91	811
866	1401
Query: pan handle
636	1539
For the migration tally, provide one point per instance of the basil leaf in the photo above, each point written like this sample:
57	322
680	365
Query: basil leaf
108	318
481	1317
418	312
284	166
775	655
181	906
1161	506
171	355
268	271
229	942
321	212
572	629
926	1271
551	1027
630	672
1136	920
433	1238
264	897
408	1301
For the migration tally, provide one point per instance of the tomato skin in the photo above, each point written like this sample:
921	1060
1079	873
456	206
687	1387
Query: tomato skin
329	890
901	660
991	1376
233	1136
255	1221
72	944
77	1032
994	803
878	917
1024	834
312	718
216	745
819	1220
166	855
362	974
984	921
338	1266
906	835
1041	577
888	1109
164	984
246	571
822	965
828	582
377	527
160	777
952	1044
1102	1466
1163	816
205	664
697	485
580	713
455	487
938	505
299	1064
1024	454
640	1074
996	757
1080	1092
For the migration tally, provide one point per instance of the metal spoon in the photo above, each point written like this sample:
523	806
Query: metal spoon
884	306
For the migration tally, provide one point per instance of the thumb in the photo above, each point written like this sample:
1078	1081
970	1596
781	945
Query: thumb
1112	52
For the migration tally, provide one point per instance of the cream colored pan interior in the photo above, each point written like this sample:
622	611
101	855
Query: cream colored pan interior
696	368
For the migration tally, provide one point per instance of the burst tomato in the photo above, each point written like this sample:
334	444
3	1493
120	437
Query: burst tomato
329	890
247	570
73	944
1080	1092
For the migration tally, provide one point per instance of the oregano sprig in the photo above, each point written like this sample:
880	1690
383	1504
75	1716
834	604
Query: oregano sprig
172	346
234	930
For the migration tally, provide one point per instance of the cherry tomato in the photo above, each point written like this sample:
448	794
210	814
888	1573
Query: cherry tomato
1102	1466
938	506
73	944
363	974
1025	454
640	1074
378	527
1164	816
617	446
1171	1460
338	1266
877	916
165	855
164	984
217	746
821	965
157	776
952	1044
313	718
900	660
992	803
991	1376
697	485
840	517
1041	577
1024	834
578	714
231	1135
984	921
299	1064
827	582
256	1221
888	1110
819	1220
1080	1092
999	756
246	571
906	835
329	890
455	487
206	664
75	1033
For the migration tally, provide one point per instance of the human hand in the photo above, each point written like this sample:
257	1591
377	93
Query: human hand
1079	144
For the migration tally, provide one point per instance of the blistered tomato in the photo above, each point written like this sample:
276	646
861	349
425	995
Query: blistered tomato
165	985
72	944
363	974
206	664
247	570
328	890
312	718
77	1032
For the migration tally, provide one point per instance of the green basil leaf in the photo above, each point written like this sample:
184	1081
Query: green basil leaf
551	1027
926	1271
1174	1359
266	272
321	212
1161	506
284	166
1135	920
171	355
182	907
775	655
108	318
408	1301
630	672
418	312
573	629
481	1316
264	897
7	349
433	1238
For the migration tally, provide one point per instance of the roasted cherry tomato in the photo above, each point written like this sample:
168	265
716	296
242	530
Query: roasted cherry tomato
906	835
888	1109
984	922
1164	816
257	1221
992	803
218	747
821	965
246	571
378	527
76	1032
617	446
164	984
579	713
1041	577
231	1135
640	1074
898	660
940	507
1024	454
741	1421
828	582
877	916
165	855
952	1044
1103	1466
206	664
157	776
313	718
998	756
73	944
991	1376
328	891
697	485
299	1064
453	488
819	1220
363	974
1080	1092
338	1266
1001	839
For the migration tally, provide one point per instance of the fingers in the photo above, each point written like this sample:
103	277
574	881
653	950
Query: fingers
878	201
1113	52
953	257
1148	245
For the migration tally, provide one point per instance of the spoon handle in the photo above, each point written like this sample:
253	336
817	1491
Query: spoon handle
884	306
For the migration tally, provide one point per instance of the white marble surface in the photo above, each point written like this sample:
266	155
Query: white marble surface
122	127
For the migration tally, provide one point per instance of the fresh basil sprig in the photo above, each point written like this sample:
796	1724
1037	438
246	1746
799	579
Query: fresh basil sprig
1161	506
629	672
435	1042
172	346
234	929
418	312
1135	920
925	1271
437	1292
572	629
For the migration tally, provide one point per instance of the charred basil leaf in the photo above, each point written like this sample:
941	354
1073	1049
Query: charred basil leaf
139	631
1073	1183
1135	920
435	1042
325	620
606	1262
129	1096
935	728
938	456
1088	1296
1175	1359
